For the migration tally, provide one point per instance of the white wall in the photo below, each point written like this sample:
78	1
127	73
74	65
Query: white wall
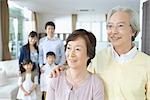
64	22
91	17
59	20
0	36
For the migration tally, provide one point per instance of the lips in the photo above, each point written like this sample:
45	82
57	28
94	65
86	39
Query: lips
114	38
72	60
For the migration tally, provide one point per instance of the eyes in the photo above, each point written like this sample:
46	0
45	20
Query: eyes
119	26
69	48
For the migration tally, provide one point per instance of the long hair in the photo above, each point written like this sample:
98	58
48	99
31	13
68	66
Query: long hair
25	62
27	46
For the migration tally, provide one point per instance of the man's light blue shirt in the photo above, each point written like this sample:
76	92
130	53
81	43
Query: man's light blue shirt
55	45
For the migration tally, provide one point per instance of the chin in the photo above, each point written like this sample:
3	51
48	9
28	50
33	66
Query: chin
71	65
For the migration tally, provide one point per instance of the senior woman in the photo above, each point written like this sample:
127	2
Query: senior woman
77	83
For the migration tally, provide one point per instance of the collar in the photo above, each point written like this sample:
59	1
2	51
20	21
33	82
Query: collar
124	57
50	65
53	38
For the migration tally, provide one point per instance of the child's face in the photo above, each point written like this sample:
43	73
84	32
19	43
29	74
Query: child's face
50	60
28	67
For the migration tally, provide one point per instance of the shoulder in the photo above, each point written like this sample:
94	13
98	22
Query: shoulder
98	86
97	81
104	51
57	39
58	81
142	57
142	54
42	40
104	54
23	47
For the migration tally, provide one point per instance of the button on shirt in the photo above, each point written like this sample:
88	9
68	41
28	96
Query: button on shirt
55	45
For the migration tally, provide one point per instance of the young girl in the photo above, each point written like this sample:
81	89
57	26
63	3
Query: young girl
27	81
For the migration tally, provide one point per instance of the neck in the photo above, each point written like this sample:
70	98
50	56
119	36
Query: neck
49	36
32	48
77	76
28	72
123	50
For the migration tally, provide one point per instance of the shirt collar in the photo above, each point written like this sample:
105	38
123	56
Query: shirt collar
124	57
53	38
50	65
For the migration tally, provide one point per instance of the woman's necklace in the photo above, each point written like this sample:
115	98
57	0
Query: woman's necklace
76	83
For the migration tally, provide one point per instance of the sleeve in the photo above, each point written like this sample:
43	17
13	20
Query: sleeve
36	80
50	94
40	54
21	57
62	53
98	90
20	80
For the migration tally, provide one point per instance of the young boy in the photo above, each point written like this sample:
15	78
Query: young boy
45	72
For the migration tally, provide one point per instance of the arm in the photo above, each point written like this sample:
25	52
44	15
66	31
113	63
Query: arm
21	57
50	95
42	69
40	54
34	85
147	90
21	87
62	53
98	90
57	70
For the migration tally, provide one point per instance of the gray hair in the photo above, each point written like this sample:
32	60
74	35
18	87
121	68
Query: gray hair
134	21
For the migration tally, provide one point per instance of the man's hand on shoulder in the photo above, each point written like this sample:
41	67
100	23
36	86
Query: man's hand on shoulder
57	70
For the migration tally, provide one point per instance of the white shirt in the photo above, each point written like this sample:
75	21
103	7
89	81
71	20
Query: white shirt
123	58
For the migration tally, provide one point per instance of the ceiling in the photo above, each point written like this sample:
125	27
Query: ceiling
75	6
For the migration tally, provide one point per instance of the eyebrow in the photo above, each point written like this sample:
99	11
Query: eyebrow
116	23
76	45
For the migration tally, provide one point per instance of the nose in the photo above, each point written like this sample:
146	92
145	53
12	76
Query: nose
115	29
72	54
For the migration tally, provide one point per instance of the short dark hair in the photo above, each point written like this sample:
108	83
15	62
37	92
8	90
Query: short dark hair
89	38
50	23
50	54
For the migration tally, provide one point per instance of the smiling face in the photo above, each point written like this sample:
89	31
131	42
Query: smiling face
119	30
50	30
50	59
32	40
76	54
28	67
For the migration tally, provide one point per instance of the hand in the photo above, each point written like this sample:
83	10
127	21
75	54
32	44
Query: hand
56	71
19	73
30	91
42	71
26	93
